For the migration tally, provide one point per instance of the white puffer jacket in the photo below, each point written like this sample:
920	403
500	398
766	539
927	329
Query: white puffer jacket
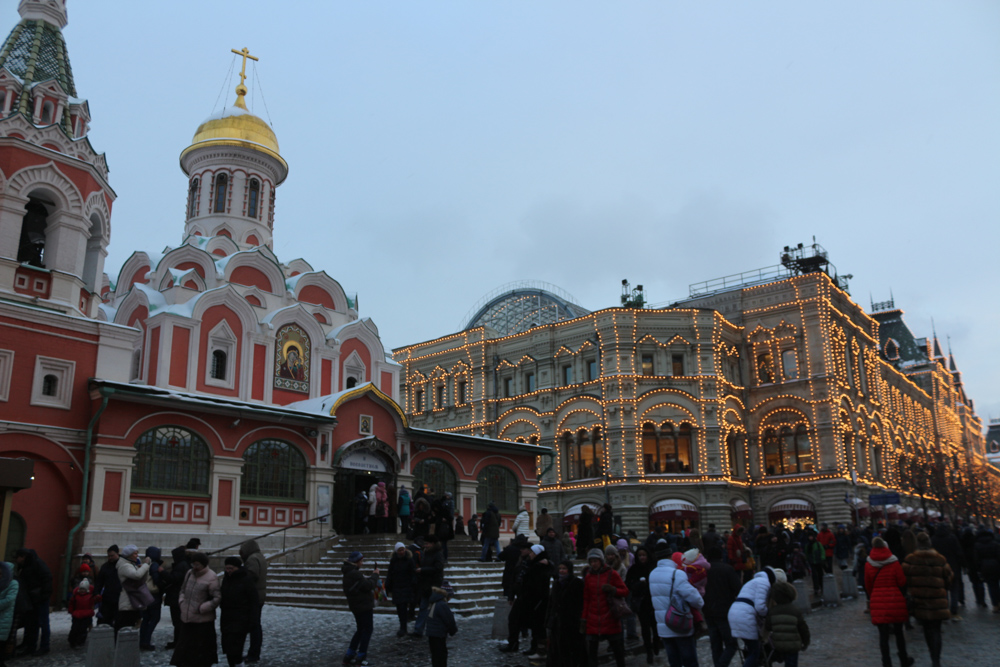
742	616
660	579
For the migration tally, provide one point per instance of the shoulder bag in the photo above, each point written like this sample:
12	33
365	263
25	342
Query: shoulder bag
619	607
678	616
138	594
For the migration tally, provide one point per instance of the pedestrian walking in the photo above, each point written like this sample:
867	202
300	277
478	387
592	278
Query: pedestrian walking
534	597
722	586
562	620
239	609
585	533
430	573
135	596
668	585
199	597
785	626
928	580
256	568
440	624
8	601
403	511
828	540
34	592
81	607
544	523
474	527
816	557
400	582
554	550
736	552
358	589
151	614
491	533
521	522
987	559
600	584
172	590
885	586
749	610
109	587
516	562
947	544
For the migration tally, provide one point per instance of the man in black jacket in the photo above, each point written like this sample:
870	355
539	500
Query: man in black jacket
173	590
490	525
430	574
109	587
35	584
946	544
516	557
534	597
721	590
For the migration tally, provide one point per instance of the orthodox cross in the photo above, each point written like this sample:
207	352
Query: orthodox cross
245	52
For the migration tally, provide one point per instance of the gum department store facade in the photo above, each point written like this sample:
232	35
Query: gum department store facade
755	400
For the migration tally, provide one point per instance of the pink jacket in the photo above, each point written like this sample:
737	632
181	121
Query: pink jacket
199	597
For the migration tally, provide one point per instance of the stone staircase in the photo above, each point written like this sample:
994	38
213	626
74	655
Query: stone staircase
318	585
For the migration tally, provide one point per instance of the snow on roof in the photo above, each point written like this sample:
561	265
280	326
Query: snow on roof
323	404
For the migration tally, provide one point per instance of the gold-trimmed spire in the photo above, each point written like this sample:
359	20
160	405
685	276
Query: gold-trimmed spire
241	89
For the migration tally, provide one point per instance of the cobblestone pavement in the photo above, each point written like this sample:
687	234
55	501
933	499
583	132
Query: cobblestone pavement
842	636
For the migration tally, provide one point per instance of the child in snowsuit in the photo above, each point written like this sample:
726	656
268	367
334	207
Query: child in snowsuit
81	606
440	624
693	563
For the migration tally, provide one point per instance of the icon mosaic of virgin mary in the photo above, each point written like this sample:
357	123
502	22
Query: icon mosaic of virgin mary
291	359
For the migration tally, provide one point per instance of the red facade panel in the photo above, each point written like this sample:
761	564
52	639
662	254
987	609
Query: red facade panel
259	372
179	346
112	491
327	386
225	497
251	277
154	353
386	383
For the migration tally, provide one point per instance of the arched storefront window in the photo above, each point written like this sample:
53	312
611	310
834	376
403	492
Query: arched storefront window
437	475
274	469
171	458
787	452
498	485
666	450
583	454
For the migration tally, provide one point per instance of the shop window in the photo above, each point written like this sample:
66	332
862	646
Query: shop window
497	485
787	451
647	364
583	453
274	469
171	458
437	476
666	450
789	365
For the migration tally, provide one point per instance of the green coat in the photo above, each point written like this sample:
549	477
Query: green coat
8	596
787	627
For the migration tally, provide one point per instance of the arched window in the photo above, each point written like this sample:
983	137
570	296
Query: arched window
352	382
50	385
253	197
274	469
789	365
765	368
666	450
193	198
171	458
48	112
437	475
732	451
584	454
498	485
221	187
219	365
31	246
787	452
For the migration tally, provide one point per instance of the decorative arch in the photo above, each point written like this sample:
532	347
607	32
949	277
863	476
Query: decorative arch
499	485
47	177
274	469
96	210
171	458
437	474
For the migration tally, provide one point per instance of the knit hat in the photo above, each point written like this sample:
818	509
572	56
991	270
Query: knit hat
399	545
85	585
447	588
878	543
622	545
595	553
235	561
662	550
355	557
611	550
129	550
193	543
678	558
537	549
923	541
691	555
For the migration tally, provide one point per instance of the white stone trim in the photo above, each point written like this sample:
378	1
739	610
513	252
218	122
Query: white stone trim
63	370
6	366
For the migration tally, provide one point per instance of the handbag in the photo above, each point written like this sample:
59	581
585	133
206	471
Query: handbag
619	607
678	616
138	594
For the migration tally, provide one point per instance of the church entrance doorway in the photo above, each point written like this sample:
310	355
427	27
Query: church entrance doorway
360	467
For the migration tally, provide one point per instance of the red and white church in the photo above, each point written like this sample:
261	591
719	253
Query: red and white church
207	389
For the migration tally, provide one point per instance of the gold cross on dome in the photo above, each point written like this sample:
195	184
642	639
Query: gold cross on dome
245	52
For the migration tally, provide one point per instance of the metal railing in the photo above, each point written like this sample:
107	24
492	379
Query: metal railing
283	532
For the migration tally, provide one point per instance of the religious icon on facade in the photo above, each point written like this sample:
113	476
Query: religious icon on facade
291	359
365	425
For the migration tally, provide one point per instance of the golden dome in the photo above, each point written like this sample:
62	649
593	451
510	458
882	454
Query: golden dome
236	126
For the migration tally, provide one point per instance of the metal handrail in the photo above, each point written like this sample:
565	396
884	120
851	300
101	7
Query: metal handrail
279	530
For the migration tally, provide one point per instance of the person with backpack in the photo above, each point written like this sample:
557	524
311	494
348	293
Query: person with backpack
885	584
440	624
673	598
785	625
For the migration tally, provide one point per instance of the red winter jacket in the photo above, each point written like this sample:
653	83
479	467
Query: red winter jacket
884	584
734	549
81	605
828	540
596	610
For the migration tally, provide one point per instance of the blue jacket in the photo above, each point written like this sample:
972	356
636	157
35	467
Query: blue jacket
8	596
403	506
440	619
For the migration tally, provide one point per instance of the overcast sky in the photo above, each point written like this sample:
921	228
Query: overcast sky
438	150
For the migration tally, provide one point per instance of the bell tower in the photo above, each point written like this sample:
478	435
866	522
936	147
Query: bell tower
234	167
55	201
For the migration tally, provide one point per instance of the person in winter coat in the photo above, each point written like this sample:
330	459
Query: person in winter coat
155	584
109	587
491	533
625	553
172	590
785	625
361	513
554	551
358	589
517	558
816	557
430	573
440	624
605	524
8	600
946	543
239	607
666	583
562	620
749	607
403	510
544	523
256	568
637	581
736	551
721	588
968	540
600	583
400	582
585	533
80	606
828	540
928	580
885	584
521	522
35	589
534	596
131	574
474	527
198	599
987	564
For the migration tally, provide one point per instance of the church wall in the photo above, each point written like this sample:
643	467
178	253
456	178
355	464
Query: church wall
355	345
211	318
180	343
13	161
260	358
384	426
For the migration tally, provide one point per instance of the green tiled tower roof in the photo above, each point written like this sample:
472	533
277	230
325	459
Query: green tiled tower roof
35	51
